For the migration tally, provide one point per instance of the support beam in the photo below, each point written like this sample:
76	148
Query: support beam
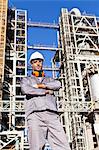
41	47
43	25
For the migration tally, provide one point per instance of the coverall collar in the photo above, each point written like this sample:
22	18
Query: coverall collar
36	78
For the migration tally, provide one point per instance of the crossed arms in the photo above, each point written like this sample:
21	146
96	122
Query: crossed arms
39	89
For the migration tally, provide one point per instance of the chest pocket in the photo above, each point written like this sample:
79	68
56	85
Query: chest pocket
45	80
33	81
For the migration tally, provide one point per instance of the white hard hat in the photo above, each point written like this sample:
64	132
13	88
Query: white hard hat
36	55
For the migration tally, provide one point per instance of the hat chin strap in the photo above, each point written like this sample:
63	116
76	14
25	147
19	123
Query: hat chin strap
38	73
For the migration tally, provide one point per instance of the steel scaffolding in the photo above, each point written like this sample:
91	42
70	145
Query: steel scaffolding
13	116
79	41
75	64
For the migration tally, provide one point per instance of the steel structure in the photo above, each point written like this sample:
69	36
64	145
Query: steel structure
75	64
12	108
79	62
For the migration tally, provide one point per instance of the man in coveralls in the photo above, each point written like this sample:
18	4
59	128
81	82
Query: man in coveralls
40	108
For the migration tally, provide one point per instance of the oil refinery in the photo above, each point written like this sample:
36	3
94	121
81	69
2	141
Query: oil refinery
77	56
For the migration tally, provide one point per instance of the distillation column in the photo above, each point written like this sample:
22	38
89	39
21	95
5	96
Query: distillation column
78	39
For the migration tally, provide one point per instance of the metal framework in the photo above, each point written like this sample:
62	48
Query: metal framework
12	108
79	41
75	63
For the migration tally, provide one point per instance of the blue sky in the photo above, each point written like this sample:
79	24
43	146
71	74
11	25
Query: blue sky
49	11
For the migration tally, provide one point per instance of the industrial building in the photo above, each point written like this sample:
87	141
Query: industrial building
75	64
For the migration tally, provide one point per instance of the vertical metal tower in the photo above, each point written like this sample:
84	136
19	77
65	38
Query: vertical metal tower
79	62
13	118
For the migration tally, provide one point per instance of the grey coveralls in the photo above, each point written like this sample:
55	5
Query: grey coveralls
41	114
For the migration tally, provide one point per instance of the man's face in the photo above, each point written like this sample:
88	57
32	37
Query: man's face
37	64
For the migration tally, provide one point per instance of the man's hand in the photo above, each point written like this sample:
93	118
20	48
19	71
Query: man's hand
42	86
49	92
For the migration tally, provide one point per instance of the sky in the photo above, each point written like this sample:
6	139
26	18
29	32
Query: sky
48	11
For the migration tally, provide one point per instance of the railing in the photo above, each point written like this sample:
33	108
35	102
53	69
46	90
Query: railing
77	106
6	106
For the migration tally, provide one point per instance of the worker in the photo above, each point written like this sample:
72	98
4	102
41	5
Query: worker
40	108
